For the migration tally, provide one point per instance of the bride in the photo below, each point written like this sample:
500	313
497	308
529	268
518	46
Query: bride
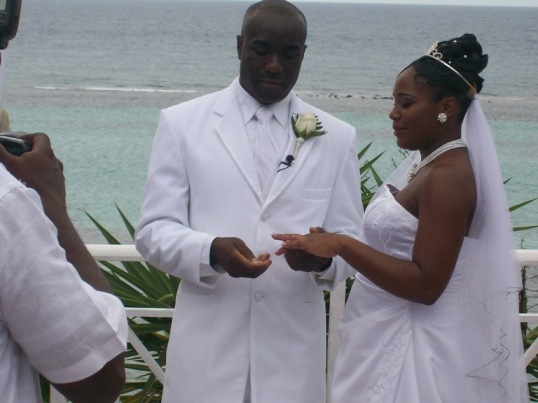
433	315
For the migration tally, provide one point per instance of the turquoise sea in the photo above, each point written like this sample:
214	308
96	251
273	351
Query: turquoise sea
94	75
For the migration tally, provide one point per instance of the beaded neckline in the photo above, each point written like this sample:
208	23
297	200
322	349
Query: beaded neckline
413	170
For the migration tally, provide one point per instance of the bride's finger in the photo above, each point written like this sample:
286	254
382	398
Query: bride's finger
284	237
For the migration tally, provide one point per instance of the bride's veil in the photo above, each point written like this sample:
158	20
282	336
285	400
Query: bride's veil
491	286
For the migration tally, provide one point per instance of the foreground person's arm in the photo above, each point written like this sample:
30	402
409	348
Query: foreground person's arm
40	170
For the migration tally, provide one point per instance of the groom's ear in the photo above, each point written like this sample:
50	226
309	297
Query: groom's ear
239	46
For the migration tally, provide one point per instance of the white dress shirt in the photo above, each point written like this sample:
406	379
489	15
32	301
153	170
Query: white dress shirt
278	127
50	320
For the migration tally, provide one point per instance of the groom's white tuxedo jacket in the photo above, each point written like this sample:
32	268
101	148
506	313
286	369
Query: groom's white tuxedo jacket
202	183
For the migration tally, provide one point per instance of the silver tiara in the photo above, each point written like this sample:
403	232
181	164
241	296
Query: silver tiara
435	54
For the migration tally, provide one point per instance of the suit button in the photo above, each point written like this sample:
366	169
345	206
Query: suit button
264	217
258	297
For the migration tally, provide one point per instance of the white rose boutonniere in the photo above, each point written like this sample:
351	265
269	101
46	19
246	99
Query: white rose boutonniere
305	125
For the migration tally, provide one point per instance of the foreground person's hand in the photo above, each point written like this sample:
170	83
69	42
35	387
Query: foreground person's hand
39	169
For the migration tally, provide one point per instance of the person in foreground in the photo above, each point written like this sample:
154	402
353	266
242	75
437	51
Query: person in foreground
57	314
246	326
433	313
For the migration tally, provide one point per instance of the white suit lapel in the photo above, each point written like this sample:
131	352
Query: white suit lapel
285	176
232	132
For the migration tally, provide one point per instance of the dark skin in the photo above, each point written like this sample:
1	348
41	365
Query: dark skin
442	196
43	172
271	49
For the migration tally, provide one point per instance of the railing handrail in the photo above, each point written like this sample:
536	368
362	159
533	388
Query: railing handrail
123	253
128	253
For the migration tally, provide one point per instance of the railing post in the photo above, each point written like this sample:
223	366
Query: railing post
336	311
56	397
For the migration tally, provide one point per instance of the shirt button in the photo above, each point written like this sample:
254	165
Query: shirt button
258	297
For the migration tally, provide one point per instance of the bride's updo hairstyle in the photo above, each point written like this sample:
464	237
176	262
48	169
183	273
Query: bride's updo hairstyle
452	68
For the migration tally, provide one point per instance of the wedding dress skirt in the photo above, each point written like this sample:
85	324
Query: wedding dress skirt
393	350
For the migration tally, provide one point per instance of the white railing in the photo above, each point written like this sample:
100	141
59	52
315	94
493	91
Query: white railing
116	253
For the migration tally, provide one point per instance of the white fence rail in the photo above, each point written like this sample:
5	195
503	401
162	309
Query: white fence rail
116	253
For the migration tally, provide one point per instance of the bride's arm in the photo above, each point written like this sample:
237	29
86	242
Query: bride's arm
443	216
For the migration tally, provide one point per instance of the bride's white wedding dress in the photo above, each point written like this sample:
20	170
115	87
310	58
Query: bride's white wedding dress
393	350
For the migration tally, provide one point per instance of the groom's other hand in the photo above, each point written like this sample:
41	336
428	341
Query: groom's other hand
235	258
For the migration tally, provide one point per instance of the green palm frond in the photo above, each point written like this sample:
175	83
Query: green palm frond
518	206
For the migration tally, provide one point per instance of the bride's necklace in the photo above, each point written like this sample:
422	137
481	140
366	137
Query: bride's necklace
413	170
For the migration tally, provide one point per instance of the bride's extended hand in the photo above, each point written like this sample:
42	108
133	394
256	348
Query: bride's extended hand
318	243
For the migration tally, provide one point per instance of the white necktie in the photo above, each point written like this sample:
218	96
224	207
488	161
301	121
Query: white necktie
266	148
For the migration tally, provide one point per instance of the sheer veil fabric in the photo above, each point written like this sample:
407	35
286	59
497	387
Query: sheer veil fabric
493	342
491	287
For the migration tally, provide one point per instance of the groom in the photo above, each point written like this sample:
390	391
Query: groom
246	326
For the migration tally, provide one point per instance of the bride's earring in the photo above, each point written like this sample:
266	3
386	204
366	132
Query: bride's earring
442	117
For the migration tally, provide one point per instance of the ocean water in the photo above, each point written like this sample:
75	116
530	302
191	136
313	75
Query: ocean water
94	74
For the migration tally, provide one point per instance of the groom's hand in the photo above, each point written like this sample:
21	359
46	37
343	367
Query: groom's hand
234	257
299	260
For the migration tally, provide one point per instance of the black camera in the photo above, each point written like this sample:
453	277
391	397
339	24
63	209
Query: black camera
13	144
10	12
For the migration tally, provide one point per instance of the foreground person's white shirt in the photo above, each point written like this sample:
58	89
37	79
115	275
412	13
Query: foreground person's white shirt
50	320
